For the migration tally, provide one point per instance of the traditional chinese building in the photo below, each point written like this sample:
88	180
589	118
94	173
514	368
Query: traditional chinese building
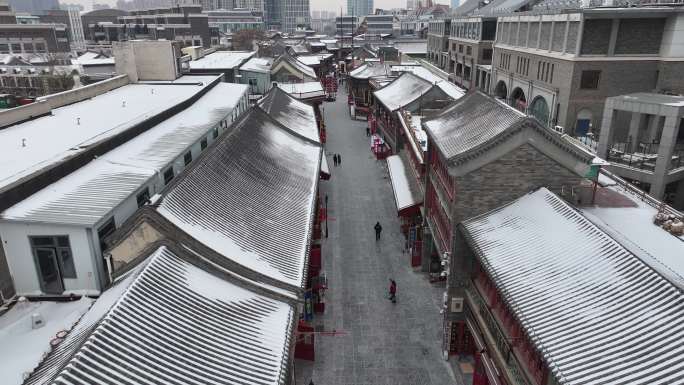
482	154
410	93
540	293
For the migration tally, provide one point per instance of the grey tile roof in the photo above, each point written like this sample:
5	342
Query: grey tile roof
251	198
469	122
596	312
170	322
296	64
369	70
291	113
402	91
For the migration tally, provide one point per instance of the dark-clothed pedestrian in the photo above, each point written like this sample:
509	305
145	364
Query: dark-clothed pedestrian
339	159
393	291
378	230
335	160
367	131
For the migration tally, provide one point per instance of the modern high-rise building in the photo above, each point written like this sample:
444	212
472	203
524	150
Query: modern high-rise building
76	29
359	7
287	15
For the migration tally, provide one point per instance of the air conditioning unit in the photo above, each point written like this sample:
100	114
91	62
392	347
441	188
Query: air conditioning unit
457	305
37	321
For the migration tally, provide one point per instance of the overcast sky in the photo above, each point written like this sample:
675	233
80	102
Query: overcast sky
332	5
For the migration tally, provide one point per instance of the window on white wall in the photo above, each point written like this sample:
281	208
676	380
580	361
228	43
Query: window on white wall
60	248
143	197
168	175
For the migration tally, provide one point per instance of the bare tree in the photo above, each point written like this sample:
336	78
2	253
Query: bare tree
244	39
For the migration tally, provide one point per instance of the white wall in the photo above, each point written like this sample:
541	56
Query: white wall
85	244
22	264
146	60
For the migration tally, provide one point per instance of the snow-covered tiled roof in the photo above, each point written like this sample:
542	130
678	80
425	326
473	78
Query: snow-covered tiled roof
310	60
221	60
411	48
257	64
402	91
93	59
251	198
413	128
595	311
291	113
32	145
296	64
369	70
173	323
451	89
404	183
303	90
470	122
299	49
88	194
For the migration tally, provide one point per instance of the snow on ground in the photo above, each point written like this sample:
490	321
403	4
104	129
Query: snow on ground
21	347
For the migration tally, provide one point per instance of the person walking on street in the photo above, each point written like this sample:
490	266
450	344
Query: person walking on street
335	160
367	131
378	230
393	291
339	159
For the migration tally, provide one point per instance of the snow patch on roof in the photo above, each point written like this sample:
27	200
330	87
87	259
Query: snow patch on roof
593	309
29	146
257	64
88	194
221	60
404	185
303	90
21	347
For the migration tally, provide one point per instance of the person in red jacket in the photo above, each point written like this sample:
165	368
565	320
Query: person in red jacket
393	291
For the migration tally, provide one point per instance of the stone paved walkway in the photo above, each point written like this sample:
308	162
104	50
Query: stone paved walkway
383	343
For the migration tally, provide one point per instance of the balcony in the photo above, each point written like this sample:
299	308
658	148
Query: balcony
641	155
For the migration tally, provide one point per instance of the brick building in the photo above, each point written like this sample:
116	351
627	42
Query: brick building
437	42
561	67
92	18
470	51
185	23
23	39
481	154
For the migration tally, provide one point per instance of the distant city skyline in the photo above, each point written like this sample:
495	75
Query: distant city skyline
320	5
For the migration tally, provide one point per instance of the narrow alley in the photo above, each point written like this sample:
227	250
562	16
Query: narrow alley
375	341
